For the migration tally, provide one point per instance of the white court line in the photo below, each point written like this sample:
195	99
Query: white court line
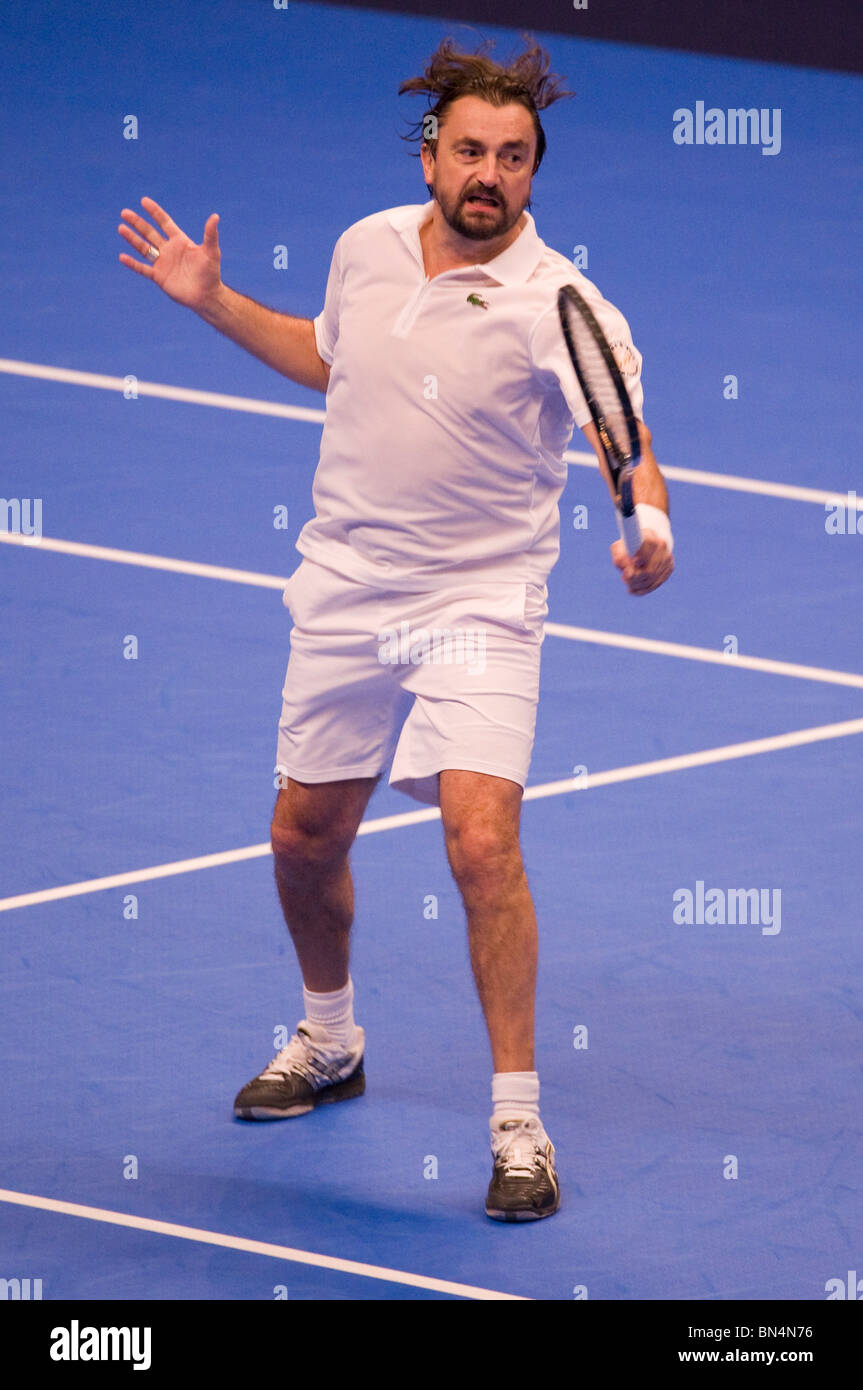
253	406
575	634
686	760
153	562
726	752
253	1247
660	648
162	391
734	483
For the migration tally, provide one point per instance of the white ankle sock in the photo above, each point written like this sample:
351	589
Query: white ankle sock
515	1093
334	1011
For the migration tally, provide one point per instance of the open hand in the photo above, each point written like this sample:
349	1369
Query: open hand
187	272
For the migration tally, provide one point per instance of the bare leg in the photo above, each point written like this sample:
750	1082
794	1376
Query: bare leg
314	826
481	817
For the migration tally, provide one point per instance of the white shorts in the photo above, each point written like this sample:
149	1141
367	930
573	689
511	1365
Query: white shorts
448	679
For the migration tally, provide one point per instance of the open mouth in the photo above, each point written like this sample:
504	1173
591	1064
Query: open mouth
480	200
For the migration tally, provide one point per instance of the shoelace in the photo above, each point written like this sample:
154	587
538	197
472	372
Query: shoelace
298	1056
519	1150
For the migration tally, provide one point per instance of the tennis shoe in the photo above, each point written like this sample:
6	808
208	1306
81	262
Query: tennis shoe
524	1184
312	1070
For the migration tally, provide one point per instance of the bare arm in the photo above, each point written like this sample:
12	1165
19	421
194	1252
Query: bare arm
190	275
285	343
653	563
648	484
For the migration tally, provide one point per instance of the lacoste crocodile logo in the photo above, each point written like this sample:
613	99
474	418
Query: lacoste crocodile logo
478	300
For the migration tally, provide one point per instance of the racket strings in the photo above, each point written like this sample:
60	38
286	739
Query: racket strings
600	379
599	386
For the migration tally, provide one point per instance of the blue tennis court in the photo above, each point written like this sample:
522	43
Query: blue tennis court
701	1079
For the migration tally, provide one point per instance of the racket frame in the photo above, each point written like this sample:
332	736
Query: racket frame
621	464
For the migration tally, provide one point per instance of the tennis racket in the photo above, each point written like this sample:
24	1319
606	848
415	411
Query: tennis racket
608	401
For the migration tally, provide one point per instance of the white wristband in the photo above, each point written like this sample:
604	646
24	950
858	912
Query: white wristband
651	519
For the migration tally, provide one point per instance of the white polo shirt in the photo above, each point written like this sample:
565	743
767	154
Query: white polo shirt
450	403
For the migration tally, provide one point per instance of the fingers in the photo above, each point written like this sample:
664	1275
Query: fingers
142	225
145	270
148	234
140	243
211	231
651	582
645	571
160	217
646	580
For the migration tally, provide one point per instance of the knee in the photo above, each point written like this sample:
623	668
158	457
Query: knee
297	850
480	855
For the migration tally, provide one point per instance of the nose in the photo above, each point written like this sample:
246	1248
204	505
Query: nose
487	172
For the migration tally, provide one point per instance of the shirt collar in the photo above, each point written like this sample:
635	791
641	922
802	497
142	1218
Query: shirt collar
512	267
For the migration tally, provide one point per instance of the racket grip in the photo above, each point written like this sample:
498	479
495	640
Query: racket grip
630	531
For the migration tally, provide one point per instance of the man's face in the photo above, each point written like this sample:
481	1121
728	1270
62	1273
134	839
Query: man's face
481	172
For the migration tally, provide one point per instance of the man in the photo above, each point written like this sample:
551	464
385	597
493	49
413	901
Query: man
450	401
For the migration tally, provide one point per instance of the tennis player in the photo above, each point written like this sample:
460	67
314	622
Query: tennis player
418	606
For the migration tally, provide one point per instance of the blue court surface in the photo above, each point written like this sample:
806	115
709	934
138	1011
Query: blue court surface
708	1134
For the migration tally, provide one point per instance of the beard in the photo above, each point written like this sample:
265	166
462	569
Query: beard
478	224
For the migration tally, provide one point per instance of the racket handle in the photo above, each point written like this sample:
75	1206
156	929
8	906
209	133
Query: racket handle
630	531
627	512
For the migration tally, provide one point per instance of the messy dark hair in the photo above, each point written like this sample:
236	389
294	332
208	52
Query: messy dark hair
450	74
